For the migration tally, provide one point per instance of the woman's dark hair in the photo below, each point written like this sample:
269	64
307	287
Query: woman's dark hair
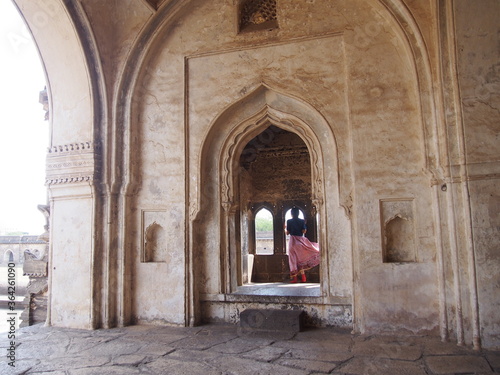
295	212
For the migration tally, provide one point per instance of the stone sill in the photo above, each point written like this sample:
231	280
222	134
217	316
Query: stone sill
280	293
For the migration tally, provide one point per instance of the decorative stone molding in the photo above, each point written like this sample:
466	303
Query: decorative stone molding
72	163
268	116
72	147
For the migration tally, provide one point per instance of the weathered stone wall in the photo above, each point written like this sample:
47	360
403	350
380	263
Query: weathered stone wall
144	165
478	58
282	173
367	91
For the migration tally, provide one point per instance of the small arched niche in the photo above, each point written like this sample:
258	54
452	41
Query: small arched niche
8	257
154	244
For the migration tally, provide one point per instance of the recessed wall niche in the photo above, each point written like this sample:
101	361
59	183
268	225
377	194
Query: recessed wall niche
154	243
398	230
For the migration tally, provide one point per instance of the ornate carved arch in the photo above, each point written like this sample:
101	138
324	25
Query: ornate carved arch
269	107
248	129
217	186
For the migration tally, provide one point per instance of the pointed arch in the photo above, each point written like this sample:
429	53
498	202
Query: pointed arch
429	117
76	91
8	256
248	117
216	213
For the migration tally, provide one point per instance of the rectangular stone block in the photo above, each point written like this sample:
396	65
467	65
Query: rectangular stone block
271	320
457	364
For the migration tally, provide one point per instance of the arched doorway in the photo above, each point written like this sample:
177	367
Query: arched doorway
264	232
75	96
221	222
274	175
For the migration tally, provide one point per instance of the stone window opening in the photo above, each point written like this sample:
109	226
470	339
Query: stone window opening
264	232
257	15
8	257
275	175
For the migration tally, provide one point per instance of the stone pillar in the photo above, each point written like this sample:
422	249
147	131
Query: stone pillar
74	281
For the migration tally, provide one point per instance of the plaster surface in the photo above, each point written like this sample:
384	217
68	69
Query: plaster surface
150	109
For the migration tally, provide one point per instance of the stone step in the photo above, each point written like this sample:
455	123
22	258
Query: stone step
271	320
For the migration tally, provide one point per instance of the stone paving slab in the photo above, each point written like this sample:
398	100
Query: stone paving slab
233	365
64	363
375	366
318	355
436	347
458	364
129	360
389	350
494	360
266	354
107	370
308	365
225	350
322	345
180	367
241	345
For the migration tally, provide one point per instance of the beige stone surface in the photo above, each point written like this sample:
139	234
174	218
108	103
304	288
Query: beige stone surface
126	351
457	364
153	102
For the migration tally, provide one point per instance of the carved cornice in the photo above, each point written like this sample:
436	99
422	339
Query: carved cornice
72	163
72	148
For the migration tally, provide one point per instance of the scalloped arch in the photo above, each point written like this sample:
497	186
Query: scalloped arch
269	107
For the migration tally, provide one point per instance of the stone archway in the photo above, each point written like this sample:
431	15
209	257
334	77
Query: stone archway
229	194
275	174
216	217
70	61
205	198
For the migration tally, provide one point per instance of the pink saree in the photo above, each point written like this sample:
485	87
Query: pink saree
302	254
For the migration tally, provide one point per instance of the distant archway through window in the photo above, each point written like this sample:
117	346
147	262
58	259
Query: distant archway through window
274	176
8	257
264	232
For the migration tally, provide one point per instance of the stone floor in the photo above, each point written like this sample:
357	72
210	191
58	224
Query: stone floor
225	350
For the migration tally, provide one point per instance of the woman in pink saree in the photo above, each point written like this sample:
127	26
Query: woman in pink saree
302	253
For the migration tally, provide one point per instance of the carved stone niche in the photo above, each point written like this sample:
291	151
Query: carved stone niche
398	231
154	244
